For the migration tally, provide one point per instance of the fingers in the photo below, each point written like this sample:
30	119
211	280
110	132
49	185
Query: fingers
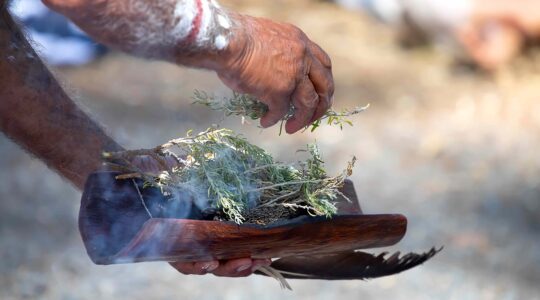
150	164
322	107
257	263
321	88
240	267
170	161
278	105
231	268
146	163
323	81
326	79
277	109
322	56
312	98
305	101
235	268
311	95
198	268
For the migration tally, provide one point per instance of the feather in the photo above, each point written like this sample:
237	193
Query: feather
348	265
271	272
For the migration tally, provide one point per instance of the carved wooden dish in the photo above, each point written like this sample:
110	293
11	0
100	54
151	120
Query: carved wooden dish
117	228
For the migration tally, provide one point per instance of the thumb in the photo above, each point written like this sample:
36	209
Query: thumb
277	110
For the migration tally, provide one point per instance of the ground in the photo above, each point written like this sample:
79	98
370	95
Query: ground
453	150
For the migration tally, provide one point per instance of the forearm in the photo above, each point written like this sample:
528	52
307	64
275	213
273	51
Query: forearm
189	32
274	62
38	115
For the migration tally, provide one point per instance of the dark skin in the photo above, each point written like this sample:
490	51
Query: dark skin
275	62
292	67
36	113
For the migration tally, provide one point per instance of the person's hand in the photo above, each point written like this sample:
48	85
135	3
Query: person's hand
275	62
230	268
281	66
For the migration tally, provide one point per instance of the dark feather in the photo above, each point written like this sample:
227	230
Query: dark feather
349	265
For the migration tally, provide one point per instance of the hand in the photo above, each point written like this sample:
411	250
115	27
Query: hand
229	268
278	64
274	62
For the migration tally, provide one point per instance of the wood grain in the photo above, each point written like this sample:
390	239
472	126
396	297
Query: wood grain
117	229
192	240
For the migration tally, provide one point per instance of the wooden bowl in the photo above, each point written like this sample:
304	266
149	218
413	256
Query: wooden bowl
117	227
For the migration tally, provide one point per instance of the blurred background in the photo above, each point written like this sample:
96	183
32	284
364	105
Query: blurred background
450	140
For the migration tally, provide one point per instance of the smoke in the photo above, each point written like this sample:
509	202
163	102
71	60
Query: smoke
115	211
225	169
114	215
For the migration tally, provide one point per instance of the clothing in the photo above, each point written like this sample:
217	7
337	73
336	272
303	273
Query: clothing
56	39
436	19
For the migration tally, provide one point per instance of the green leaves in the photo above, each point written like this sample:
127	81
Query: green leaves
227	172
247	106
339	119
239	105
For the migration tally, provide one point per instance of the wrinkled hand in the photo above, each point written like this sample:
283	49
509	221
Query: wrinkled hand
229	268
275	62
281	66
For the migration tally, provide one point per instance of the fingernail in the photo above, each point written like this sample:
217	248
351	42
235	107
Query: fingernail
211	266
261	263
243	268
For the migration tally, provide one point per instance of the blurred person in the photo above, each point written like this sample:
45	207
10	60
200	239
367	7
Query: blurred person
488	33
59	41
275	62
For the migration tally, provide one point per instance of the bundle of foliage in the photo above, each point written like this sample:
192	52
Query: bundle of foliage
247	106
224	171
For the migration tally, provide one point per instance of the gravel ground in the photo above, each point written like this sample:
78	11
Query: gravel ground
454	151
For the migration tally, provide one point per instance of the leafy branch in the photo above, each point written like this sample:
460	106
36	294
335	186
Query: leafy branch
247	106
226	172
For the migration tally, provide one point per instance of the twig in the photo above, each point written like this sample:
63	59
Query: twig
280	198
273	186
142	199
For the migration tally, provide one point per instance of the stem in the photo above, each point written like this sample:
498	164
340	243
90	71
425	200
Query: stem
269	203
285	184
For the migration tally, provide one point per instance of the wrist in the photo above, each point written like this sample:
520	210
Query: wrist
215	41
238	46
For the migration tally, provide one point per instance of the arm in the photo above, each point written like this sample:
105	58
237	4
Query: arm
37	114
273	61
